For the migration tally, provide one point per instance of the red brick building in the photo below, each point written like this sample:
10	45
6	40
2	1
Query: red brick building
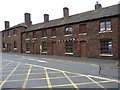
94	34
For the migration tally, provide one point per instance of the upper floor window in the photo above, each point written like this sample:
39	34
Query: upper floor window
15	46
105	26
68	30
44	33
34	34
14	32
82	28
53	32
27	35
69	47
8	33
106	46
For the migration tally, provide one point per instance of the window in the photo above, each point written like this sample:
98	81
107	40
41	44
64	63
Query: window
106	47
34	34
27	35
82	29
69	46
45	46
105	26
15	46
14	32
3	45
8	33
27	47
68	30
44	33
53	32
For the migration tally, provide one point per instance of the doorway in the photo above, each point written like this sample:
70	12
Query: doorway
83	50
53	48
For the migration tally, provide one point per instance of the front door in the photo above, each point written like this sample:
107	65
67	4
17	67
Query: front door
34	48
9	47
83	50
54	48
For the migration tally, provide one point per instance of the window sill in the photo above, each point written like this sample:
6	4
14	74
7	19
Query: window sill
44	37
15	48
105	31
69	53
27	51
68	35
53	37
34	39
27	39
3	49
109	55
83	34
14	35
44	52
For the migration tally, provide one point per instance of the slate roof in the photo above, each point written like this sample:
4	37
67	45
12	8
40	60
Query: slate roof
90	15
86	16
18	25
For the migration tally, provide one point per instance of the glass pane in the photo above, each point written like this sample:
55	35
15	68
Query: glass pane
102	26
70	30
108	25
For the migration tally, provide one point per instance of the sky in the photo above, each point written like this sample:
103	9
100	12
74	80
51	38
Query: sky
13	10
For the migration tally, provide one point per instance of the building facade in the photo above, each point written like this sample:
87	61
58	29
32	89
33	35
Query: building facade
92	34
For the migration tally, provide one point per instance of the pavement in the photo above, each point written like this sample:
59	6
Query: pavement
46	71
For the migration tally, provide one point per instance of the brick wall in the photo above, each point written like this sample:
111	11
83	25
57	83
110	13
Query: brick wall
12	38
92	39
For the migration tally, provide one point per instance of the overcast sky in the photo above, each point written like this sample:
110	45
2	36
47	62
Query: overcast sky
13	10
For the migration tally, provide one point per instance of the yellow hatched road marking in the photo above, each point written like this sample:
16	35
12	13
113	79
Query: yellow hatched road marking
38	78
9	75
25	82
24	70
5	66
88	76
48	79
79	84
71	81
96	83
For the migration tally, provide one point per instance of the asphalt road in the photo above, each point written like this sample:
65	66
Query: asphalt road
33	71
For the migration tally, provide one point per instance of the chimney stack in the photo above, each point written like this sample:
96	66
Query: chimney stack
65	12
97	5
46	18
7	24
28	21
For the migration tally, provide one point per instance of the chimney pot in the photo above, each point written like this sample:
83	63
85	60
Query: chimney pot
28	21
97	5
46	17
66	12
7	24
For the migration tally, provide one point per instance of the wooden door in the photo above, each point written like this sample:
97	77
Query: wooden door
54	48
83	50
34	48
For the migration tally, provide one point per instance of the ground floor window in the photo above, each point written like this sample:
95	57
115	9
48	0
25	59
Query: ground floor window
69	46
15	45
106	46
3	45
44	46
27	47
